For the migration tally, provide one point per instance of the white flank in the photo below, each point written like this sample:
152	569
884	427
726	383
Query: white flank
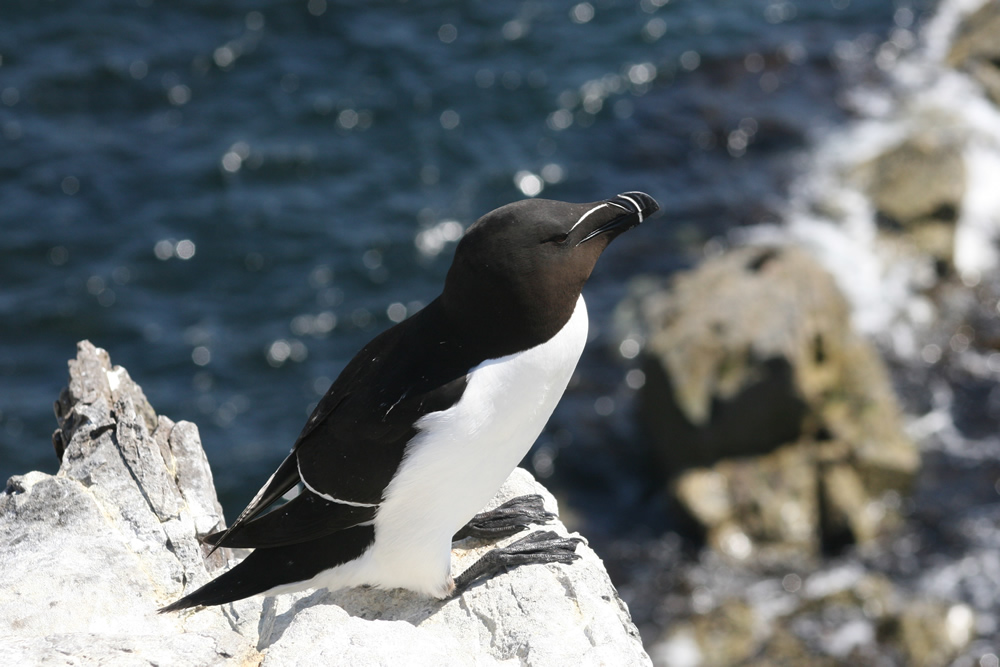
458	461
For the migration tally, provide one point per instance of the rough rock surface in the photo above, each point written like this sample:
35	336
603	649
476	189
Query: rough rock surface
776	421
87	557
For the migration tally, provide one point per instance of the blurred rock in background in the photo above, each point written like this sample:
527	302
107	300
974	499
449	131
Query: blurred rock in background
821	396
976	48
917	189
773	420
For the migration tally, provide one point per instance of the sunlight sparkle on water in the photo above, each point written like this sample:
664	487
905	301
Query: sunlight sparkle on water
168	248
528	183
430	242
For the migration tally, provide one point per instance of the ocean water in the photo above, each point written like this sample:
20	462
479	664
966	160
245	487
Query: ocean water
233	197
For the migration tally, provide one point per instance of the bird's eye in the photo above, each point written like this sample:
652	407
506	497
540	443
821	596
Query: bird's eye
558	238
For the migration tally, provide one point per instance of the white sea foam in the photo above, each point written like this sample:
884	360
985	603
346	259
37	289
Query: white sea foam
829	213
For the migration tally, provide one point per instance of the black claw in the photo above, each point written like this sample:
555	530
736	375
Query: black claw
511	518
537	548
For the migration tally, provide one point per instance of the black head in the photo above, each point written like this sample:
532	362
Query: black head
519	270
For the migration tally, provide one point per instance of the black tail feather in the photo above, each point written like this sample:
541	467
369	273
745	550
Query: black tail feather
268	568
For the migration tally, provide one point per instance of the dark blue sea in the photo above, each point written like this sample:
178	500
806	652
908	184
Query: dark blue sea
233	197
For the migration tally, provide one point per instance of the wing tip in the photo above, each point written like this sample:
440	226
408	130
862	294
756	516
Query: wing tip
177	605
214	540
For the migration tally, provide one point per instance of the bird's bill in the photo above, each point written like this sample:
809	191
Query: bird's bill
631	207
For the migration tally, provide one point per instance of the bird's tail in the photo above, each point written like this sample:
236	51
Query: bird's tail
268	568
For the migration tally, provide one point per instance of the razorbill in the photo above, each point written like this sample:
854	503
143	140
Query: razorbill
427	421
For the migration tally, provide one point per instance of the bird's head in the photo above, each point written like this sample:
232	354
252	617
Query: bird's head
525	264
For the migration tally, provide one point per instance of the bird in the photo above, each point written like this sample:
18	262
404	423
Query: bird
426	422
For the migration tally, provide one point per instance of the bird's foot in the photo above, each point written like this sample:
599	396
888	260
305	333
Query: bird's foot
536	548
510	518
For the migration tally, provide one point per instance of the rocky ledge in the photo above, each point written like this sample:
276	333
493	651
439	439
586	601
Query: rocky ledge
88	555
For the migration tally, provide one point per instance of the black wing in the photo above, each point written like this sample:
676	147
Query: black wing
353	443
355	439
304	518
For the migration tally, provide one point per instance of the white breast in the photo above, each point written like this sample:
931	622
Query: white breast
459	459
